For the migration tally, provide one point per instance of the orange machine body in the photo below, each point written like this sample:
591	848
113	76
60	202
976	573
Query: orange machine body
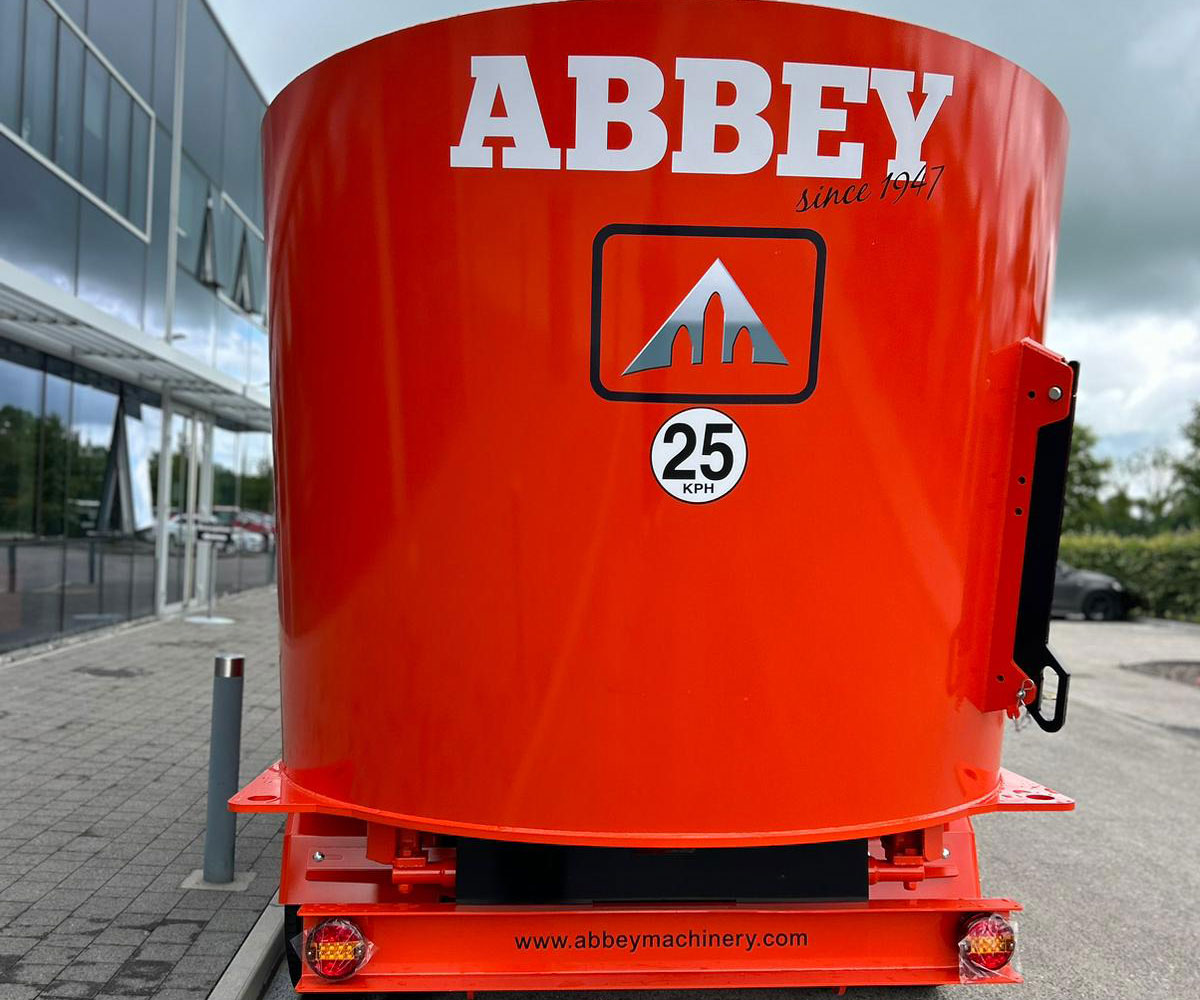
496	619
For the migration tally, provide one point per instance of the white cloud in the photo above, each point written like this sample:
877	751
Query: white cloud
1140	374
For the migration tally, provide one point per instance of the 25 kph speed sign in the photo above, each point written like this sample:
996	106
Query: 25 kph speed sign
698	455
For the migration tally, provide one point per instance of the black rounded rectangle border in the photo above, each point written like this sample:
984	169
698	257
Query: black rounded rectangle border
734	232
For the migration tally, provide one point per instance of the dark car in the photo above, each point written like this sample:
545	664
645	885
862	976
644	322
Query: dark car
1097	596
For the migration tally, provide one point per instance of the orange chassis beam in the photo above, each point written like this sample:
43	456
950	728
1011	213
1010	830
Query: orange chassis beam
451	948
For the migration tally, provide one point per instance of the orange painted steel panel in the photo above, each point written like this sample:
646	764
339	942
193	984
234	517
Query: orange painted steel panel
623	948
495	619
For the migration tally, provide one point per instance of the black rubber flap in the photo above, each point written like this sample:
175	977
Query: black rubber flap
497	872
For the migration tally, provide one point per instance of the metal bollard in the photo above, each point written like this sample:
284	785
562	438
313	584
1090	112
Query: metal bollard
224	756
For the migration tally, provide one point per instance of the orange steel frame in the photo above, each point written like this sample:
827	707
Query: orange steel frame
886	942
391	882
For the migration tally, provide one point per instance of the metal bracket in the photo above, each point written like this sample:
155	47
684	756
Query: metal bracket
1031	651
1020	794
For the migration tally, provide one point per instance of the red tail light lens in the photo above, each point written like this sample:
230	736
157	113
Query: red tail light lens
988	942
335	948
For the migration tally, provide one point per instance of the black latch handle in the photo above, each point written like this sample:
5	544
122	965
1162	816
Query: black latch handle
1048	489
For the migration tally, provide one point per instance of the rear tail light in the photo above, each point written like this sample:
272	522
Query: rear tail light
335	948
988	943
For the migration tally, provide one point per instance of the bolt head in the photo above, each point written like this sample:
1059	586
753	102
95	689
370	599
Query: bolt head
945	852
1055	393
318	856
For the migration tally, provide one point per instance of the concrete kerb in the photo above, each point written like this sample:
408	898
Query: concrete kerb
248	971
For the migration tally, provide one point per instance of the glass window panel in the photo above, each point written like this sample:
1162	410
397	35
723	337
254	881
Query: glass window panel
110	562
143	543
93	412
231	347
152	432
195	317
225	468
181	437
50	518
39	217
257	564
206	264
164	59
37	101
12	35
79	586
229	567
229	239
20	408
141	450
124	31
224	222
259	374
193	198
181	447
204	89
243	118
76	11
258	273
68	119
95	123
120	107
139	166
258	478
243	291
143	578
256	213
156	254
111	267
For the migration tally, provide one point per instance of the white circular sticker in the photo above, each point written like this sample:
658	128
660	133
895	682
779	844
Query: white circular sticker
698	455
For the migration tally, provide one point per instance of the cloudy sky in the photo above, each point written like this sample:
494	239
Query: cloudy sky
1127	299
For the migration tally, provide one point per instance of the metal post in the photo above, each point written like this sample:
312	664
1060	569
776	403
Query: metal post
162	543
189	545
212	576
224	756
205	554
162	562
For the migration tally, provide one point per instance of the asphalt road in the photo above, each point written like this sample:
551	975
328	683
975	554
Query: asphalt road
1112	890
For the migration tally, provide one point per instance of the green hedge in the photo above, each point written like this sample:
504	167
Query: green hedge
1162	570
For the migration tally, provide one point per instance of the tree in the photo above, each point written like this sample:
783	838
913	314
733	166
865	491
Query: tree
1082	509
1146	493
1187	473
1119	514
1154	470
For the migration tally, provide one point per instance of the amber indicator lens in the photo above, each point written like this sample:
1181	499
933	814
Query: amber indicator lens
988	943
335	949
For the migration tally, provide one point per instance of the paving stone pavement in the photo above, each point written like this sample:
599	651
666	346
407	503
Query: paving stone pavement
103	775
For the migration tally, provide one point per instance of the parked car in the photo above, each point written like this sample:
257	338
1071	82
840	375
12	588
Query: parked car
1097	596
240	540
249	523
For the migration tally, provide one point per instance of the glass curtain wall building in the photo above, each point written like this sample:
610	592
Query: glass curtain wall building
134	384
